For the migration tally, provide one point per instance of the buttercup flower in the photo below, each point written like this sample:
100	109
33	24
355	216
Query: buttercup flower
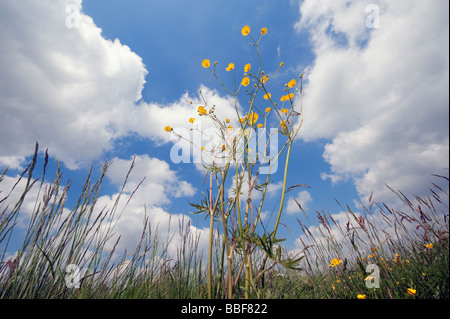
335	262
252	118
267	96
292	83
268	109
411	291
245	30
282	63
263	31
284	111
201	110
230	67
168	129
284	128
361	297
191	120
287	97
260	125
429	246
245	81
227	120
206	63
247	67
264	79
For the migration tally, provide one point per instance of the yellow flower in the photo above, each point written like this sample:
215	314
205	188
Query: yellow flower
397	258
227	120
268	109
245	81
287	97
335	261
374	249
252	118
263	31
411	291
282	63
206	63
292	83
371	256
429	246
260	125
168	129
203	148
361	297
267	96
285	111
247	67
230	67
245	30
230	128
191	120
201	110
284	128
241	120
264	79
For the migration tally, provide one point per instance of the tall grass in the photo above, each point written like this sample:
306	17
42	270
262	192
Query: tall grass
412	253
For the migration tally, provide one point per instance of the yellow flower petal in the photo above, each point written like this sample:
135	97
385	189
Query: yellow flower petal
245	30
230	67
285	111
247	67
411	291
201	110
252	118
267	96
263	31
206	63
264	79
245	81
292	83
268	109
168	129
362	297
191	120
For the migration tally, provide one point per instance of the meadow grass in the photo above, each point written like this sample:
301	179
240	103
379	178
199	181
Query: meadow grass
412	257
378	252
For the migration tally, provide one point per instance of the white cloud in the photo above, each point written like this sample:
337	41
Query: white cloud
62	86
379	95
159	182
303	198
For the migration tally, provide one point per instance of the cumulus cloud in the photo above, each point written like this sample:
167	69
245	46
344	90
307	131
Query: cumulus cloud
379	95
62	86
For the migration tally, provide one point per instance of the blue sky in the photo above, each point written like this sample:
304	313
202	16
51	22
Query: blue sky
375	99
